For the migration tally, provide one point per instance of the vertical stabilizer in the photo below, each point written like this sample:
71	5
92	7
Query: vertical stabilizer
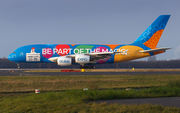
150	37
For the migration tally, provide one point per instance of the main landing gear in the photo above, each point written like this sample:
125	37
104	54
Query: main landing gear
87	67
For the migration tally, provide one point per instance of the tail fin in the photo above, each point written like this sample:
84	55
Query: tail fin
150	37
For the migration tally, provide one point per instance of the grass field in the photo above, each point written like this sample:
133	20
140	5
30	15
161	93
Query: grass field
74	99
77	101
54	83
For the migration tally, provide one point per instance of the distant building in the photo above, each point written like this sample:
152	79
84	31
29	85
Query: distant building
151	59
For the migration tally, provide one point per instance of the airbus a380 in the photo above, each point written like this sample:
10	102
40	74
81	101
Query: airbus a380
87	55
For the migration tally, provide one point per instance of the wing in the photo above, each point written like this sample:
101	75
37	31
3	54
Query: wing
94	56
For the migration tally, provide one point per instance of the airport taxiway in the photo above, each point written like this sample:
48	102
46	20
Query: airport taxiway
165	101
24	72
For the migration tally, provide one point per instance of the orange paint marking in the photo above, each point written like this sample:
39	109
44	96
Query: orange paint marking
73	44
153	41
112	46
155	53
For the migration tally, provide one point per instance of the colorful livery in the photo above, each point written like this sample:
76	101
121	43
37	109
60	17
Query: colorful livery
89	54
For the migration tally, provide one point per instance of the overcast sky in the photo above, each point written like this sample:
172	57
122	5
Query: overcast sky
25	22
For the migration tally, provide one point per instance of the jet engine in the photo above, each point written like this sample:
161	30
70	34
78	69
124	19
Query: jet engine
82	59
63	61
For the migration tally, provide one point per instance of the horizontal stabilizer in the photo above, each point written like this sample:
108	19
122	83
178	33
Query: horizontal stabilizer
155	50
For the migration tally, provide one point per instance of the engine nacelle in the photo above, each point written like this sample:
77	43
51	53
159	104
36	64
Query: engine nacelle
82	59
63	61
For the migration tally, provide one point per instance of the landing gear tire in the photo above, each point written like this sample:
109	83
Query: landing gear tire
87	67
81	67
92	67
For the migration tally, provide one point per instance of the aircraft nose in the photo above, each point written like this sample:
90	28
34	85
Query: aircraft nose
10	57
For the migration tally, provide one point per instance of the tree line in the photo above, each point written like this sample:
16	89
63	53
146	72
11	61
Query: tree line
5	63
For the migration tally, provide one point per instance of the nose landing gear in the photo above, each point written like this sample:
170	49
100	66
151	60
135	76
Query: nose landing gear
18	66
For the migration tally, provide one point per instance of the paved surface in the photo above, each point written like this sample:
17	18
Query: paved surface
166	101
17	72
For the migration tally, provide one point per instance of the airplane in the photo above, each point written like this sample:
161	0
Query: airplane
88	55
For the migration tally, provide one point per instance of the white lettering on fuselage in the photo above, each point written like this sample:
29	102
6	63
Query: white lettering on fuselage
82	51
46	51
